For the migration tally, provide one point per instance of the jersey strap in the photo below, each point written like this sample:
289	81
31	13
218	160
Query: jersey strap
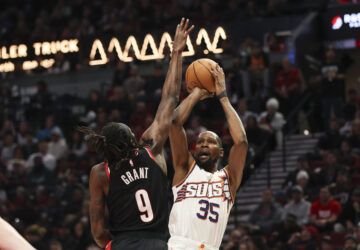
187	175
150	154
107	169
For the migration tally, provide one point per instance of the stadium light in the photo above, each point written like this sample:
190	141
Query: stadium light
156	52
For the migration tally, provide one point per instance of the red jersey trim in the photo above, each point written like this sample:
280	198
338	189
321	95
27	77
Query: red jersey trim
108	246
150	154
107	170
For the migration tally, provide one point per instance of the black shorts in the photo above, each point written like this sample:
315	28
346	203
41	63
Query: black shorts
138	241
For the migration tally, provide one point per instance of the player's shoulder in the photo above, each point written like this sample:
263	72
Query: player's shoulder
99	171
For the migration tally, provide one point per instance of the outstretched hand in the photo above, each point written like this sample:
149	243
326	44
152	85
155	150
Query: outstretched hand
219	77
182	32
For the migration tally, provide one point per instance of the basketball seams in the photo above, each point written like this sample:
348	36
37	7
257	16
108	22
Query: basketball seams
199	61
196	75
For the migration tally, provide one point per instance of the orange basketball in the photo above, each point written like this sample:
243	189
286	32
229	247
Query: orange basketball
198	74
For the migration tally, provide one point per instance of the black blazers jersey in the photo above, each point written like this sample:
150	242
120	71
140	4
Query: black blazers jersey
138	195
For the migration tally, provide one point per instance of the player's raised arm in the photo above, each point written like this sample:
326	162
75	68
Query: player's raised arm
238	151
182	158
158	132
97	205
10	239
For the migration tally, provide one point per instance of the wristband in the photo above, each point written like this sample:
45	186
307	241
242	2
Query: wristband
221	95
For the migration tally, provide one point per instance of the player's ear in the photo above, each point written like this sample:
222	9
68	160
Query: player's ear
221	152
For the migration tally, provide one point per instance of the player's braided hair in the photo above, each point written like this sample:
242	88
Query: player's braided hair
115	142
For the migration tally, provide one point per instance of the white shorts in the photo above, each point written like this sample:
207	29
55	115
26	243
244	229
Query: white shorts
182	243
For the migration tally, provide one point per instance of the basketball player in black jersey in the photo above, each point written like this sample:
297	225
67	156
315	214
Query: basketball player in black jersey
132	179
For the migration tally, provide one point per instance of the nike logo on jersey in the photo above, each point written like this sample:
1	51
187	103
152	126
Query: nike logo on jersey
130	176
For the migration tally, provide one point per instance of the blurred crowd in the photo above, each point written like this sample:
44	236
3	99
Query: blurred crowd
63	19
39	21
318	206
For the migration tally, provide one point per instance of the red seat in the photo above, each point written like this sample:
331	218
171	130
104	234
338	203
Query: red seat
338	238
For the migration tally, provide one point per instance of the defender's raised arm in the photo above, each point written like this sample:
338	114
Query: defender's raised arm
158	132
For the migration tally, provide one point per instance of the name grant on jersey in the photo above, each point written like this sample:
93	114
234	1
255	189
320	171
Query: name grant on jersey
130	176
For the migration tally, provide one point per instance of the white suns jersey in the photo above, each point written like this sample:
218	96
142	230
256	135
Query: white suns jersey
202	203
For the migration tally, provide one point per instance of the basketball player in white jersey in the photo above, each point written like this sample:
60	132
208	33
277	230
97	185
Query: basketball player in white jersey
204	195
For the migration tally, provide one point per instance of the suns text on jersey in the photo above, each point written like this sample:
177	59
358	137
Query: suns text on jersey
202	190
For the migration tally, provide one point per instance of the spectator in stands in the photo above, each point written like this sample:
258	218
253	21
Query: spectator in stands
81	235
355	135
342	187
301	164
41	104
350	242
94	101
45	133
258	140
8	149
347	155
324	212
154	84
39	174
327	174
61	64
48	159
243	111
121	73
8	128
281	232
235	80
119	100
332	85
351	106
30	146
17	159
332	138
78	146
134	84
287	86
35	234
265	214
272	121
298	206
55	245
21	133
257	63
305	239
326	243
357	234
57	145
236	236
350	217
302	180
273	45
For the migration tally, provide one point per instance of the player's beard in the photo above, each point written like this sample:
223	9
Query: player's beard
207	165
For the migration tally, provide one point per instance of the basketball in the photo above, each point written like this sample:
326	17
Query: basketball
198	74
